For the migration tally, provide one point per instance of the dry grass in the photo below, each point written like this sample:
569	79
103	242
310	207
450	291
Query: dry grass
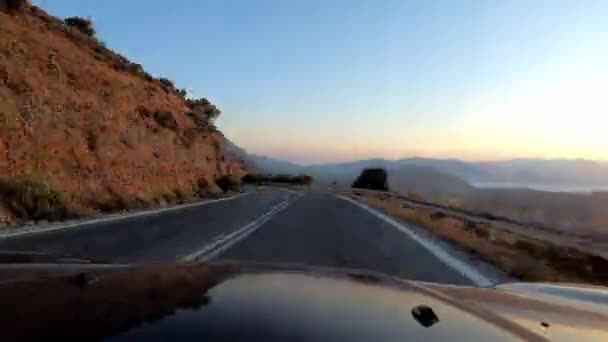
518	256
74	111
30	197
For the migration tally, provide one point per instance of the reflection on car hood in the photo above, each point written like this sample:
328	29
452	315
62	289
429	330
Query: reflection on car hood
234	302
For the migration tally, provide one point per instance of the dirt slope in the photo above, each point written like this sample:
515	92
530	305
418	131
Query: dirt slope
94	126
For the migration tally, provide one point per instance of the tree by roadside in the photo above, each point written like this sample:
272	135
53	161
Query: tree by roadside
373	179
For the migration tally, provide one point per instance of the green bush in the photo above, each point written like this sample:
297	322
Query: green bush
202	110
135	68
29	197
180	195
83	25
373	179
167	83
165	119
253	178
250	178
228	183
147	76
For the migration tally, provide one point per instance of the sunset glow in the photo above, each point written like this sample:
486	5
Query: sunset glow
323	81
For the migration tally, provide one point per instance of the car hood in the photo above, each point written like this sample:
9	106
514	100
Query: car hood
269	302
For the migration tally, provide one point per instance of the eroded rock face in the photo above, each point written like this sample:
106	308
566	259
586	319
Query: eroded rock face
95	130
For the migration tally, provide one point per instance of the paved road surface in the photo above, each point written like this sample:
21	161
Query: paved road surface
163	237
315	229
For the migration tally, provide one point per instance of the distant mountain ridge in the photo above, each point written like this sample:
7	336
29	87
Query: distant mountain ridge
519	171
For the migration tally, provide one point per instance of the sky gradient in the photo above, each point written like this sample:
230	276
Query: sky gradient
317	81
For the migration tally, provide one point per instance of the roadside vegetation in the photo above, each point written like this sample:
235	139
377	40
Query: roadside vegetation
518	256
253	178
229	183
373	179
30	197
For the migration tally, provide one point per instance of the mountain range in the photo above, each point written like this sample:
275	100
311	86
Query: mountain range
557	172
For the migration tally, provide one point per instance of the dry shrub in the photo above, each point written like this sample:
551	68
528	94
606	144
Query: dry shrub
438	215
481	232
181	195
527	246
166	119
13	5
200	188
83	25
30	197
526	259
229	183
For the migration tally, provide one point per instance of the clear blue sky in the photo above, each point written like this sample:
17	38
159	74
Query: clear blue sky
318	80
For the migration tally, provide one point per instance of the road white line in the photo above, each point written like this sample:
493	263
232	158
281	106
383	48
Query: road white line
222	243
456	264
116	217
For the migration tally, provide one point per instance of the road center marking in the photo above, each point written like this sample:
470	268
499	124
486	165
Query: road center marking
222	242
456	264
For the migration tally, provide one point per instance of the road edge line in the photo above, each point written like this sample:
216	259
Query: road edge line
117	217
456	264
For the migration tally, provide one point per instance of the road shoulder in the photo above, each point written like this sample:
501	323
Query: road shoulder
479	272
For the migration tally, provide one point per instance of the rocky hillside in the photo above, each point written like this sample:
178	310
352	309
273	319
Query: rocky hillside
83	128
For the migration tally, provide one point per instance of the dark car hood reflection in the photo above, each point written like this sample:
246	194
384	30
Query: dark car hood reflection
234	302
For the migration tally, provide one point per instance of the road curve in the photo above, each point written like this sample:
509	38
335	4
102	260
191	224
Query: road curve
310	228
322	230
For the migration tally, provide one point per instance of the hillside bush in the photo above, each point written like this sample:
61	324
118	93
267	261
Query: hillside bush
202	111
167	83
250	178
165	119
29	197
228	183
253	178
135	68
83	25
13	5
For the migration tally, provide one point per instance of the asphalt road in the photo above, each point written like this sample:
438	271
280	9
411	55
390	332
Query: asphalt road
163	237
315	228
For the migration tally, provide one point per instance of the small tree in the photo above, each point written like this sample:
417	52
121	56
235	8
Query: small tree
83	25
166	83
229	183
202	111
374	179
